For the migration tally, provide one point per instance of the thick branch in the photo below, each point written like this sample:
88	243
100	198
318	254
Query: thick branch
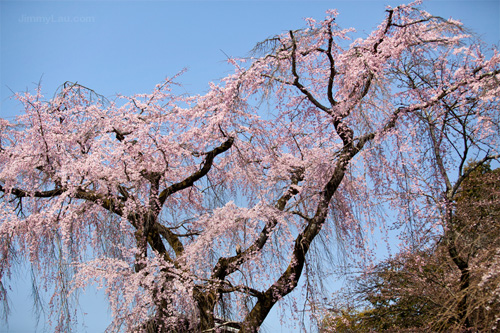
36	194
299	85
107	203
110	204
289	279
226	266
172	239
333	72
387	26
471	169
189	181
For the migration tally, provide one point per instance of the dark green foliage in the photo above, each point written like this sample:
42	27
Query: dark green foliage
452	286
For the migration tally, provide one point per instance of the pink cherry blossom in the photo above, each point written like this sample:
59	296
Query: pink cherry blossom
303	146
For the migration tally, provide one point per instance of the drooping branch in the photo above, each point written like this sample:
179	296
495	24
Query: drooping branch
315	76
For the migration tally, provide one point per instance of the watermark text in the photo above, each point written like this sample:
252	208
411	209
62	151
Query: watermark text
55	19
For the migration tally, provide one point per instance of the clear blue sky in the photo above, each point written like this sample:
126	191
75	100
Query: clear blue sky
127	47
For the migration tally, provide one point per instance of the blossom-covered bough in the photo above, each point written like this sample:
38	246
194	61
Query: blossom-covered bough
199	213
